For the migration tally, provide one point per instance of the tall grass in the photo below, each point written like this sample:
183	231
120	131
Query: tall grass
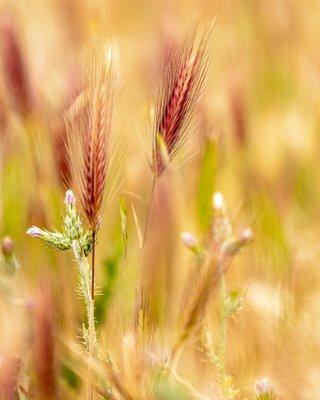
154	288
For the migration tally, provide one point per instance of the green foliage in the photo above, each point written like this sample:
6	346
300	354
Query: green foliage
13	213
166	390
110	273
206	184
273	236
72	380
266	396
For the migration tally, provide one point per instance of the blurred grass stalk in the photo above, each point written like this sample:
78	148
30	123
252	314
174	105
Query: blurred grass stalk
183	75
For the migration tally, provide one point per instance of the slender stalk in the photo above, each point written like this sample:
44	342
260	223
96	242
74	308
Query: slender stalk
221	350
91	326
91	348
186	384
86	280
146	229
93	263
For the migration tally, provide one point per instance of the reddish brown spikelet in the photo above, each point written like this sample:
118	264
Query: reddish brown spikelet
44	344
14	66
182	81
173	114
89	136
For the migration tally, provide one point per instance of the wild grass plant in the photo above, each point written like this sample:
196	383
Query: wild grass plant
186	268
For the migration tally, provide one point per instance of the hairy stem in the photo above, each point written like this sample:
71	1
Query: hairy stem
86	279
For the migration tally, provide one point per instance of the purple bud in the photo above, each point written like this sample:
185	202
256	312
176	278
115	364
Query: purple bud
34	231
7	246
189	239
69	198
263	386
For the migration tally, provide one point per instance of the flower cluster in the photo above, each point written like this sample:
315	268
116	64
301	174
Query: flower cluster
221	232
72	230
264	390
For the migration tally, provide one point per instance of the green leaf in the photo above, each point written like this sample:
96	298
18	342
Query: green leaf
70	377
206	184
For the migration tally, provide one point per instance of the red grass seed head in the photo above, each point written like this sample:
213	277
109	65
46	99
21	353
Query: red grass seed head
182	81
14	65
89	130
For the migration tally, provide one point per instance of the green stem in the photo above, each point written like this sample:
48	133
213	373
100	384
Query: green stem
86	287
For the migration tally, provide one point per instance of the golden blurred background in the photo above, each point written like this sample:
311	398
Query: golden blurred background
257	142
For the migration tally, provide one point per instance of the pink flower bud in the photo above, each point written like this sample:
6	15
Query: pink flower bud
34	231
7	246
189	239
69	198
246	236
263	386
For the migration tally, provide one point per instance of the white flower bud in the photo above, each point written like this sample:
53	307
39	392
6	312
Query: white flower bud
218	201
189	240
34	231
246	235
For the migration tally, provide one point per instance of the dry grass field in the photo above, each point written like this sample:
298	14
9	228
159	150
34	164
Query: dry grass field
160	199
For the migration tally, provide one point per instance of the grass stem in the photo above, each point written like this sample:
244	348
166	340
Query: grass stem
91	326
93	263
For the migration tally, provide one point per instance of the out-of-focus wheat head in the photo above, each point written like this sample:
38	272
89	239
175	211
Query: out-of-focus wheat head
89	123
14	67
183	74
222	247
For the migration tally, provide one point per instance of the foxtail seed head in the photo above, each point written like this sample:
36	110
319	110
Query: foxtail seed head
89	123
182	81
